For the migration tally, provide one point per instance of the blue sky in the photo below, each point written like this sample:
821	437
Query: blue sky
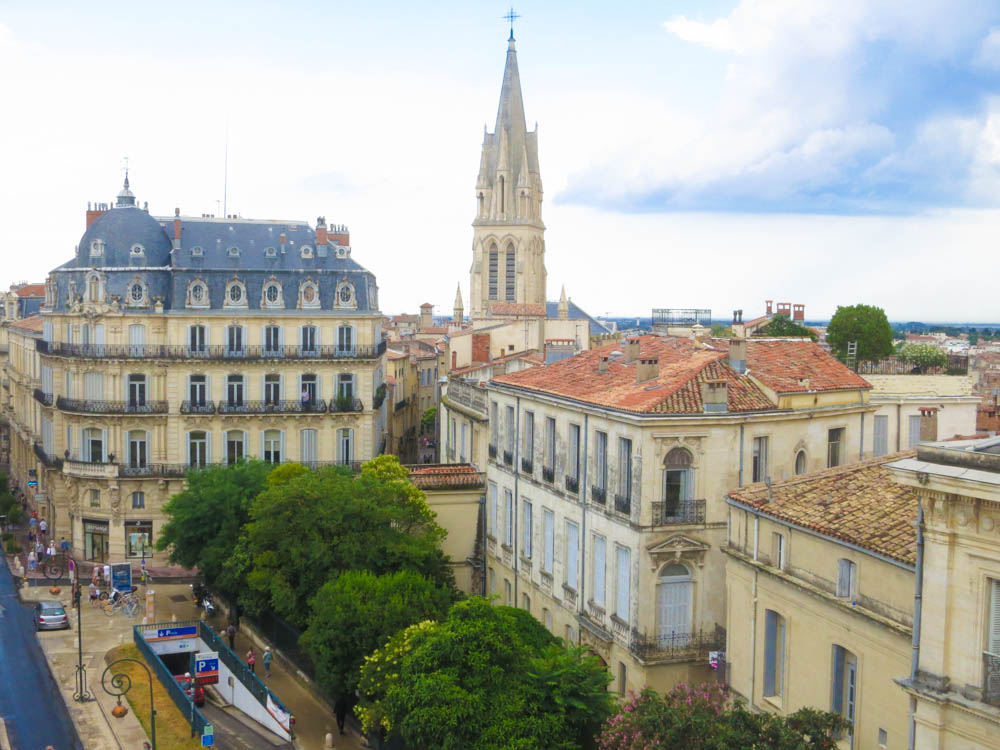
708	154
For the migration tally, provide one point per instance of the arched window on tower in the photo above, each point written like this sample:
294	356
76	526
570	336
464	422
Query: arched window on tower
510	276
494	263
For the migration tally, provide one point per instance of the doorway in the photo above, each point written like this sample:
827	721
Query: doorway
95	540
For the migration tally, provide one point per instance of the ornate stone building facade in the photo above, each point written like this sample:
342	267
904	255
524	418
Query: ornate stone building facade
175	342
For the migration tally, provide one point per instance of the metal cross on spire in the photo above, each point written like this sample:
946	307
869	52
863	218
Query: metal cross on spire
510	17
125	159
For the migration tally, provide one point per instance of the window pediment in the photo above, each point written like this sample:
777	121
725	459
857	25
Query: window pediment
677	548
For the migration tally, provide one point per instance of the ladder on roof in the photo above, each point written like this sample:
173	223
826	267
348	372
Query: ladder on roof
852	355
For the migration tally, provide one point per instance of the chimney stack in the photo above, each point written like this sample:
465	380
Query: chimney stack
282	240
321	238
768	306
799	313
928	424
632	349
714	395
647	368
738	355
177	229
95	213
339	235
602	363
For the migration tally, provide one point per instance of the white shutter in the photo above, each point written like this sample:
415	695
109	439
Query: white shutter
600	561
47	330
843	578
914	423
623	588
261	454
881	442
994	631
104	446
282	458
572	554
208	447
99	334
93	386
493	509
550	533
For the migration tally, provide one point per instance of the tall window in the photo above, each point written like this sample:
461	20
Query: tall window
774	653
272	446
779	550
308	389
272	389
234	340
234	390
511	275
511	429
272	340
880	446
759	459
625	470
601	460
235	447
623	585
844	689
508	518
678	481
528	446
548	540
526	529
197	389
599	558
572	555
914	436
197	448
136	390
835	447
197	339
494	424
308	449
993	619
493	511
847	579
137	449
137	339
345	339
550	446
345	386
308	339
345	445
93	386
93	445
573	454
801	463
138	500
494	263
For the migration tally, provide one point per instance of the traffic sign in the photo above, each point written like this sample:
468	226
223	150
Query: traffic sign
209	729
208	740
206	667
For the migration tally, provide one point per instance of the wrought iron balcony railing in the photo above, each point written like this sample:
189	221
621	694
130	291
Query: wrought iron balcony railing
53	462
290	406
572	484
623	503
527	466
508	458
677	646
153	470
45	399
598	495
991	678
492	450
669	512
88	406
197	407
215	351
343	405
548	474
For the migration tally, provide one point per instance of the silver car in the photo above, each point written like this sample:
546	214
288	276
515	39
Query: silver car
50	616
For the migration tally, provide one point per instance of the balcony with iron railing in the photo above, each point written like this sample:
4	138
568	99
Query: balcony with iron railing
677	647
280	406
572	484
345	404
991	678
53	462
508	458
112	470
45	399
217	351
598	495
87	406
527	466
549	474
492	451
672	512
197	407
623	504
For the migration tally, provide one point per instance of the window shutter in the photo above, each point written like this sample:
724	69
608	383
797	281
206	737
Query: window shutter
282	457
208	447
770	637
261	454
550	522
843	578
599	565
572	550
994	632
622	593
104	446
99	334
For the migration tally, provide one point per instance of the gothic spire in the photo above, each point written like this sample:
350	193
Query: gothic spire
510	113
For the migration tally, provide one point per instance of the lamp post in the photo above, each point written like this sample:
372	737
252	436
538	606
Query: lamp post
81	694
122	683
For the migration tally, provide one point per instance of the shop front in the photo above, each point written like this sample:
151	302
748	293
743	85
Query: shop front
139	539
95	540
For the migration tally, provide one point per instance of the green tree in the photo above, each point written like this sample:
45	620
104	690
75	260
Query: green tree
865	324
782	325
318	524
357	613
721	331
487	677
924	356
205	519
973	337
701	718
429	419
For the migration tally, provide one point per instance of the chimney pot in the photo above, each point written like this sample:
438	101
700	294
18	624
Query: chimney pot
647	369
632	349
738	355
714	395
602	364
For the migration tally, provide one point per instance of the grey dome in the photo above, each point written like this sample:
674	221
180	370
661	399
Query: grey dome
121	229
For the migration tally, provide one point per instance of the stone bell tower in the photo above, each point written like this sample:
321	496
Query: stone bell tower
508	245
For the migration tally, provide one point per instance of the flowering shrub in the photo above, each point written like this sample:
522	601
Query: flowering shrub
701	718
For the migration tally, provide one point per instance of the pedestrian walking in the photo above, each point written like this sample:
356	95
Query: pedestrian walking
32	523
50	551
64	545
231	635
43	526
32	560
251	660
268	658
340	711
93	594
107	574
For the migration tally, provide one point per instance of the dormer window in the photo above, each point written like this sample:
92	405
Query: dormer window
272	294
236	294
307	252
198	293
234	252
136	293
138	251
270	252
308	293
96	248
197	252
345	295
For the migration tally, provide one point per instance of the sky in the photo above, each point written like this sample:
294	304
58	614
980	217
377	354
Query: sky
694	153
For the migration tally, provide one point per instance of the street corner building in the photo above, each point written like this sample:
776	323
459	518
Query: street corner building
171	343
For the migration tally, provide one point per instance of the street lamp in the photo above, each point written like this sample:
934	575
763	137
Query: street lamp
54	570
122	682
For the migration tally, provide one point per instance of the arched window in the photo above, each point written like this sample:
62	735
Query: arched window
308	293
494	270
678	485
510	277
673	606
236	294
198	294
800	462
345	295
95	290
271	295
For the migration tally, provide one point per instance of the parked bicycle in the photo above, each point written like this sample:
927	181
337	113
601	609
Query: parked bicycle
128	604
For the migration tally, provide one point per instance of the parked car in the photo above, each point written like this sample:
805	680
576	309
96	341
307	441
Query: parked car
186	682
50	615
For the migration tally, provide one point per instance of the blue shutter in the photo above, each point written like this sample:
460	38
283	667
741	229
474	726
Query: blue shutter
837	688
770	638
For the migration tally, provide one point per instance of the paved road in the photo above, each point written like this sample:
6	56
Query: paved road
30	704
233	734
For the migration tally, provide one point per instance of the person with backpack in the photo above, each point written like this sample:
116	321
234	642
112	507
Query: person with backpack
252	660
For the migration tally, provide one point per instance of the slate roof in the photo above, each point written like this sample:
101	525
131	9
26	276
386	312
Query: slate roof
683	365
576	313
858	503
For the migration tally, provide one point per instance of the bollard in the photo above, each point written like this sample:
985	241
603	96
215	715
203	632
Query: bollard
329	740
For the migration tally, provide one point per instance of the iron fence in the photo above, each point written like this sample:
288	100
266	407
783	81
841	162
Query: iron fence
45	399
991	678
215	351
668	512
89	406
677	646
290	406
623	504
186	706
598	495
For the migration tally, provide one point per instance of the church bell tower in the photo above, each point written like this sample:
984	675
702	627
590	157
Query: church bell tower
508	245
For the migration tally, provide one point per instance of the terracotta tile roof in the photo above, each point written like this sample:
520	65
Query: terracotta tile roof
433	329
33	324
393	354
516	308
858	503
531	355
781	363
31	290
683	366
446	476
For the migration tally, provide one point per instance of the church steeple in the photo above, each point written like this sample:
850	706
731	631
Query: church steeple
459	311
